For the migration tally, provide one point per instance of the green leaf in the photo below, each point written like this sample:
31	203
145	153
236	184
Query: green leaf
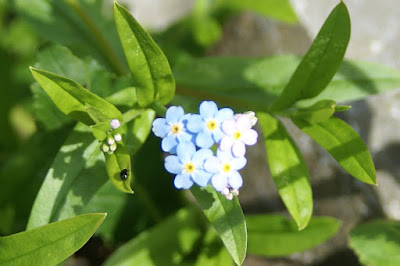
76	174
100	130
80	25
120	97
149	67
254	83
115	163
226	217
70	97
377	242
344	144
288	169
321	62
278	9
213	252
49	244
95	114
276	235
168	243
316	113
139	130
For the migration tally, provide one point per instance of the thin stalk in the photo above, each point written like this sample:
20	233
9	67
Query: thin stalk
104	45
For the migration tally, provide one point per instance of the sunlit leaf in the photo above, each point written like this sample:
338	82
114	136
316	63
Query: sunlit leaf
288	169
226	217
49	244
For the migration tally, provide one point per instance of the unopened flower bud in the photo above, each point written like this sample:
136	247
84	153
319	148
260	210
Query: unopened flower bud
115	123
252	116
117	137
110	152
105	148
229	196
225	191
110	140
235	192
113	147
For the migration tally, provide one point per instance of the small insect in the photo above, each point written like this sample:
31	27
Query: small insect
124	174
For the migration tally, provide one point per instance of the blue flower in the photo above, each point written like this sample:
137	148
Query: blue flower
225	170
188	166
207	125
172	129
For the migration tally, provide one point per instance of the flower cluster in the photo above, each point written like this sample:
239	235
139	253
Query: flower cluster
110	143
189	137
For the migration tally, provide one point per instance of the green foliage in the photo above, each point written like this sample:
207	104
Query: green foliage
49	244
227	218
115	163
377	242
288	169
149	67
168	243
345	145
276	236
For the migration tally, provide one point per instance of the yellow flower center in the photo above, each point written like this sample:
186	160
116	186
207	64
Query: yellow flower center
237	135
212	125
175	128
189	167
226	167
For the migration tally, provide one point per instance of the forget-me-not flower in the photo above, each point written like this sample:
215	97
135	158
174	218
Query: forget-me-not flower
207	124
239	133
188	165
172	129
225	170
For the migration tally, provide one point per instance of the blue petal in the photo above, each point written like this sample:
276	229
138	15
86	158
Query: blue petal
160	127
202	178
238	163
184	136
224	114
224	156
235	180
208	109
169	143
185	151
195	123
174	113
173	165
204	139
212	165
219	181
201	156
183	181
218	134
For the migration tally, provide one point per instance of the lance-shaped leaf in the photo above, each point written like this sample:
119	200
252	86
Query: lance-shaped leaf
288	169
318	112
115	163
49	244
321	62
149	67
77	171
227	218
96	115
168	243
100	130
344	144
70	97
276	235
377	242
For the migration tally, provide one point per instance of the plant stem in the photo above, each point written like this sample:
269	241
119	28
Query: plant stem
159	108
104	45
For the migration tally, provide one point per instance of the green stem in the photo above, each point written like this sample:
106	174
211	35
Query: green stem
159	108
105	47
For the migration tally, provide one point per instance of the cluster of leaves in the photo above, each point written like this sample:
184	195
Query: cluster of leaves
95	88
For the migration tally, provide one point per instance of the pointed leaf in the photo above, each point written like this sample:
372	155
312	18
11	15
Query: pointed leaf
75	175
226	217
318	112
168	243
115	163
70	97
149	67
321	62
277	236
49	244
377	242
288	169
100	130
344	144
95	114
